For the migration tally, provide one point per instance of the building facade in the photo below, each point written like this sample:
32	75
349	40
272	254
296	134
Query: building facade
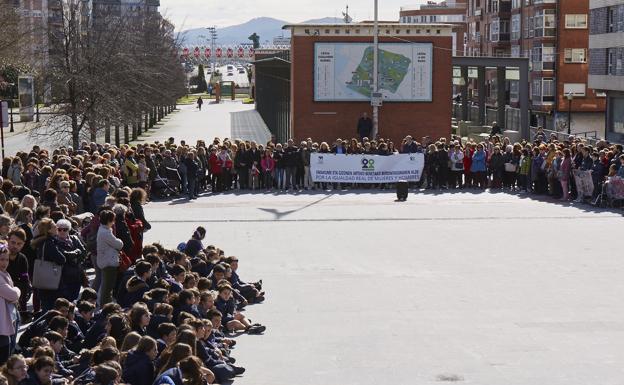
450	11
554	34
606	55
34	25
326	120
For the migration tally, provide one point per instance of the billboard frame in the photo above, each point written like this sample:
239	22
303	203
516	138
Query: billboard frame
385	99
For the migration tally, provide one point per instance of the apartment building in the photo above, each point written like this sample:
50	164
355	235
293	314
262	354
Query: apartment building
447	12
554	34
102	9
606	55
34	25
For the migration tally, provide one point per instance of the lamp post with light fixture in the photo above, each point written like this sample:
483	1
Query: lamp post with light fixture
375	71
570	97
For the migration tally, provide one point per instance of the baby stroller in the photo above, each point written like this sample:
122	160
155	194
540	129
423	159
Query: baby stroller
162	188
173	179
612	193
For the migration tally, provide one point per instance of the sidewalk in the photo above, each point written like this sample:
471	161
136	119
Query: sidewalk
229	119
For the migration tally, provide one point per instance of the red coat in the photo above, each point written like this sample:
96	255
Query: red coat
215	164
468	159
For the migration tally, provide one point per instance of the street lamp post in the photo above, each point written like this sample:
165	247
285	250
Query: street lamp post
569	96
376	70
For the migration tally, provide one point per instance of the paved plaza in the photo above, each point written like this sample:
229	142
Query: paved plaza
484	289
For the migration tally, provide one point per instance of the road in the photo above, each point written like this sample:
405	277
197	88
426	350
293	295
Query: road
484	289
240	79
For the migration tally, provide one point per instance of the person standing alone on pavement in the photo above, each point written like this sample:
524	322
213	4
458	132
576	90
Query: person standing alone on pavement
364	126
200	102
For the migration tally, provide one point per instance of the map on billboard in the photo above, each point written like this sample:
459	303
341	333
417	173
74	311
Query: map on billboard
344	71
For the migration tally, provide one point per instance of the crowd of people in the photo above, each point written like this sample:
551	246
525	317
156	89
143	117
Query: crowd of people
85	301
151	315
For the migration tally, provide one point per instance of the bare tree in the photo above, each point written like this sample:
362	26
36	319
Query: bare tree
112	68
10	35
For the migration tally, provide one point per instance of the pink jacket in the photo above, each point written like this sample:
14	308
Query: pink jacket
267	163
8	294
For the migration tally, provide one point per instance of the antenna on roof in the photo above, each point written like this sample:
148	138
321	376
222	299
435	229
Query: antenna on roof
346	18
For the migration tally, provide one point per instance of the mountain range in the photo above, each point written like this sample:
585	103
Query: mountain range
266	27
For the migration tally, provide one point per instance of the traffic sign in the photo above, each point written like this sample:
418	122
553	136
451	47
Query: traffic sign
376	99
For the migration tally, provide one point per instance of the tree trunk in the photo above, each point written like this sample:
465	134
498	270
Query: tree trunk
107	133
117	140
146	121
92	130
75	132
126	134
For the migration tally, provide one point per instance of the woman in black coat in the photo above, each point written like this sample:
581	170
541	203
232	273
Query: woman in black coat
75	254
138	197
46	247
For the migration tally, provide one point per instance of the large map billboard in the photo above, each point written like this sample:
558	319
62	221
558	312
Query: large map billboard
344	71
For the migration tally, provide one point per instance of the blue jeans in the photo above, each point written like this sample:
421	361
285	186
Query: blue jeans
279	177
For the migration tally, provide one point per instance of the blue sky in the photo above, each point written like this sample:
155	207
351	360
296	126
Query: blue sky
187	14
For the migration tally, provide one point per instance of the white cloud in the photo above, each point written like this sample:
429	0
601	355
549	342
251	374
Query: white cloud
187	14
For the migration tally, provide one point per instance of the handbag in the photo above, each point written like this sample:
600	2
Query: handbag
46	274
510	167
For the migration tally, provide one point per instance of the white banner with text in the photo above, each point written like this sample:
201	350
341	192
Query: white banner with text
366	168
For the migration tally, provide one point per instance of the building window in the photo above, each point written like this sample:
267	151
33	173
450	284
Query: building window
515	27
515	51
499	30
616	106
545	23
543	90
615	57
615	21
543	58
575	55
576	89
576	21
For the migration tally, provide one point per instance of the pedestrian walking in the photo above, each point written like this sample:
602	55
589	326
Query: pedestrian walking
200	102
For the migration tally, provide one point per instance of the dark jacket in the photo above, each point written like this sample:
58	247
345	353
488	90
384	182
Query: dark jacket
192	167
83	324
75	254
138	369
253	155
227	308
122	231
442	159
364	127
290	157
497	162
137	210
411	148
135	288
171	375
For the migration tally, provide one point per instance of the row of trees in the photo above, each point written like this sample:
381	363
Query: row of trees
107	69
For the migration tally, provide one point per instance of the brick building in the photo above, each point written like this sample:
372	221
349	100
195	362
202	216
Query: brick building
328	120
606	55
448	12
554	35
